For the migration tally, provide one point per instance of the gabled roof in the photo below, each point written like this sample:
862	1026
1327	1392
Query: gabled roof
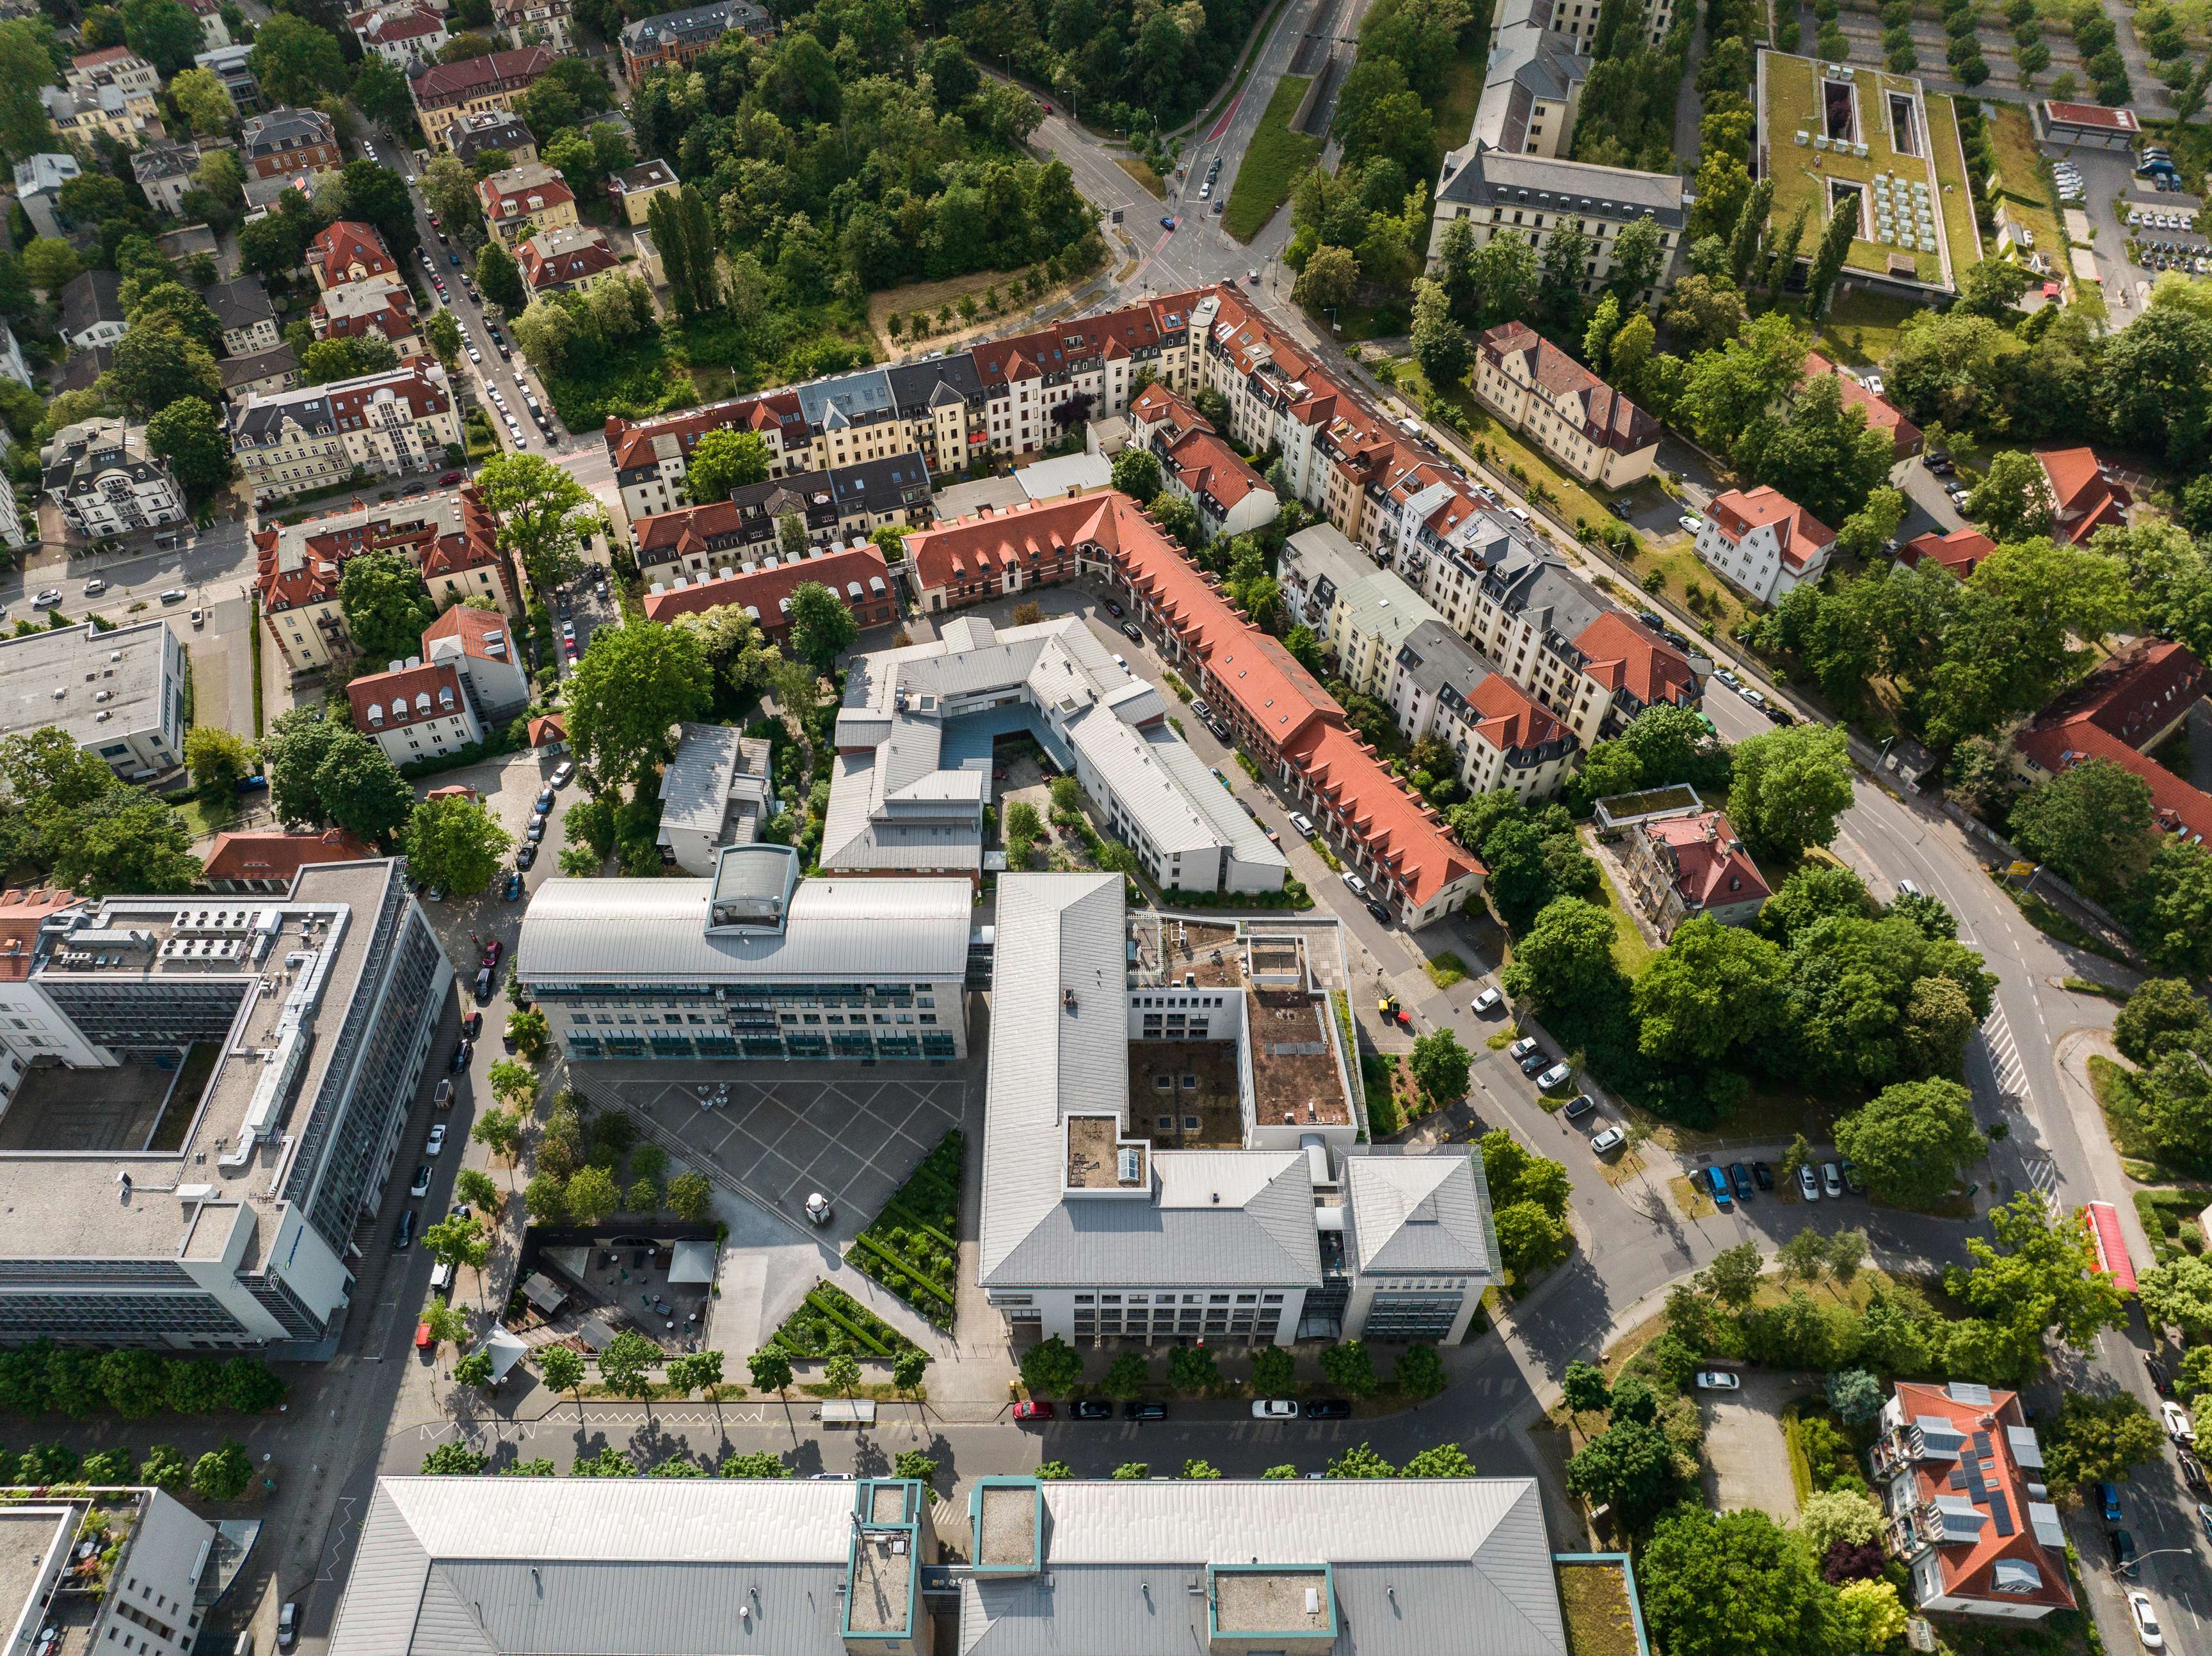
1622	654
1709	863
1801	537
89	297
1989	1510
554	258
2083	497
485	634
388	699
273	855
473	77
241	302
2121	706
1609	419
343	244
1962	551
1881	414
854	575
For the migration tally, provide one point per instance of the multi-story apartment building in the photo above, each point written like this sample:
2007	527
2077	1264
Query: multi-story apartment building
92	309
111	91
403	35
164	171
754	962
1685	863
449	536
1440	685
856	574
1196	464
248	320
847	503
1171	1142
1594	432
527	198
116	67
445	91
1496	193
346	251
840	1565
415	710
362	292
168	1567
287	150
564	261
1281	717
1533	85
13	534
492	129
534	23
678	37
39	181
1764	542
385	424
634	188
233	66
1961	1475
107	482
211	1098
118	696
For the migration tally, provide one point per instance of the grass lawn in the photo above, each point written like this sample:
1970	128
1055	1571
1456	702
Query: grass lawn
1692	1197
928	298
1572	500
1861	328
2020	176
1689	580
1629	952
1454	110
1770	1118
1273	163
1446	968
199	821
1141	171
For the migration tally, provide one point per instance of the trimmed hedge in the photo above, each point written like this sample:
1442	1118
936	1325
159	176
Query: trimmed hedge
910	1247
827	1313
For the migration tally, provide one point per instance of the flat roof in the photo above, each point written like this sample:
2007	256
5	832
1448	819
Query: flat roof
97	686
31	1538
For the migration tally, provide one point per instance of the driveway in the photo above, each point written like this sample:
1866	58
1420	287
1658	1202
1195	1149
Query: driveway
1746	1462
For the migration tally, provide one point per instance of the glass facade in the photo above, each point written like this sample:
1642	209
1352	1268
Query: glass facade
855	1021
1413	1314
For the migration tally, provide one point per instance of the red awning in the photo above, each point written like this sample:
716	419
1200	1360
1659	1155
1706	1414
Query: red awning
2111	1247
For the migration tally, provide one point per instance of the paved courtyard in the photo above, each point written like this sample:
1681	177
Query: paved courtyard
851	1134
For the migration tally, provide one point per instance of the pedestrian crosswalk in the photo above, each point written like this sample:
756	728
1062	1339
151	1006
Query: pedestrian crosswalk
2043	1175
2005	1056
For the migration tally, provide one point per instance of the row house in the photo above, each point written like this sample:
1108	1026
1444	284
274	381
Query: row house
402	36
678	37
525	199
856	574
1440	686
443	93
847	503
383	424
1229	496
1594	432
1281	716
450	536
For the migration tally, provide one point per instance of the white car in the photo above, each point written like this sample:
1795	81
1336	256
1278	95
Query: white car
1303	823
422	1184
1274	1409
1751	696
2178	1426
1832	1180
1808	1186
1717	1379
1521	1048
1874	384
1488	1001
95	586
1729	679
1691	524
436	1142
1609	1141
2141	1612
562	772
1357	886
1557	1076
47	599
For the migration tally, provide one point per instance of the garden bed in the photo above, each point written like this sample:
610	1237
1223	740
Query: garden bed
2169	1219
912	1247
831	1320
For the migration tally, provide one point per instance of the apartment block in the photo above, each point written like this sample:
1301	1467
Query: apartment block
383	424
734	536
525	199
1597	434
678	37
287	150
443	93
1230	497
1764	542
105	481
856	574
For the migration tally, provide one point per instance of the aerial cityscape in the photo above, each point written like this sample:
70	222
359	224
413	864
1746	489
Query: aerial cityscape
931	827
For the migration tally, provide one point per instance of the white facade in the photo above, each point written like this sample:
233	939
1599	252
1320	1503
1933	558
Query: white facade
119	695
107	482
1760	541
417	710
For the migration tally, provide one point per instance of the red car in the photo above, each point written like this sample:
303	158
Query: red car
1032	1410
449	480
493	950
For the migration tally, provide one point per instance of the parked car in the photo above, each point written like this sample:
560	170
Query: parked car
1691	524
1381	915
1303	823
1198	705
2144	1615
1762	1175
1112	607
1135	633
288	1625
420	1186
1090	1409
2124	1552
1135	1410
436	1142
441	1095
1327	1409
2108	1500
1032	1409
1488	1001
1557	1076
462	1054
1274	1409
1724	676
562	772
1609	1141
1353	883
1832	1180
1739	1178
524	857
1719	1379
403	1237
1535	1064
2204	1517
1850	1171
2193	1472
1579	1105
472	1025
1808	1183
2156	1370
1717	1185
2175	1418
512	891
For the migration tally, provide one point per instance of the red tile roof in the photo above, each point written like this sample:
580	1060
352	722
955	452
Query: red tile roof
1270	692
334	253
1201	461
379	27
1055	350
541	269
392	323
1969	1567
2085	498
1512	718
538	189
1962	551
2115	713
630	445
1622	654
1711	867
1609	420
1803	536
483	633
1881	415
2114	120
474	77
314	578
101	58
399	695
545	728
272	855
23	910
763	591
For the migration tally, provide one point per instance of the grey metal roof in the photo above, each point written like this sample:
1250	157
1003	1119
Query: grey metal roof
695	787
1419	1213
1436	659
1418	1566
847	400
699	22
616	931
239	303
91	296
1496	177
933	381
1214	1217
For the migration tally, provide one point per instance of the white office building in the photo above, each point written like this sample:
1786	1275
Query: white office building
206	1097
753	962
670	1567
1171	1142
914	762
119	694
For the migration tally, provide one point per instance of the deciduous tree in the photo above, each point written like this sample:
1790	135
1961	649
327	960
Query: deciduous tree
1910	1140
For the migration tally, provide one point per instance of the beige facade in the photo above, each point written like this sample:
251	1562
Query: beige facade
386	424
1594	433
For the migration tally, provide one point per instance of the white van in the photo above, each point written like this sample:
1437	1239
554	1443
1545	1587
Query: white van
441	1276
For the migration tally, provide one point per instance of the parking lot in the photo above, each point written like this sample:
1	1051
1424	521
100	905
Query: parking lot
2109	191
786	1133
